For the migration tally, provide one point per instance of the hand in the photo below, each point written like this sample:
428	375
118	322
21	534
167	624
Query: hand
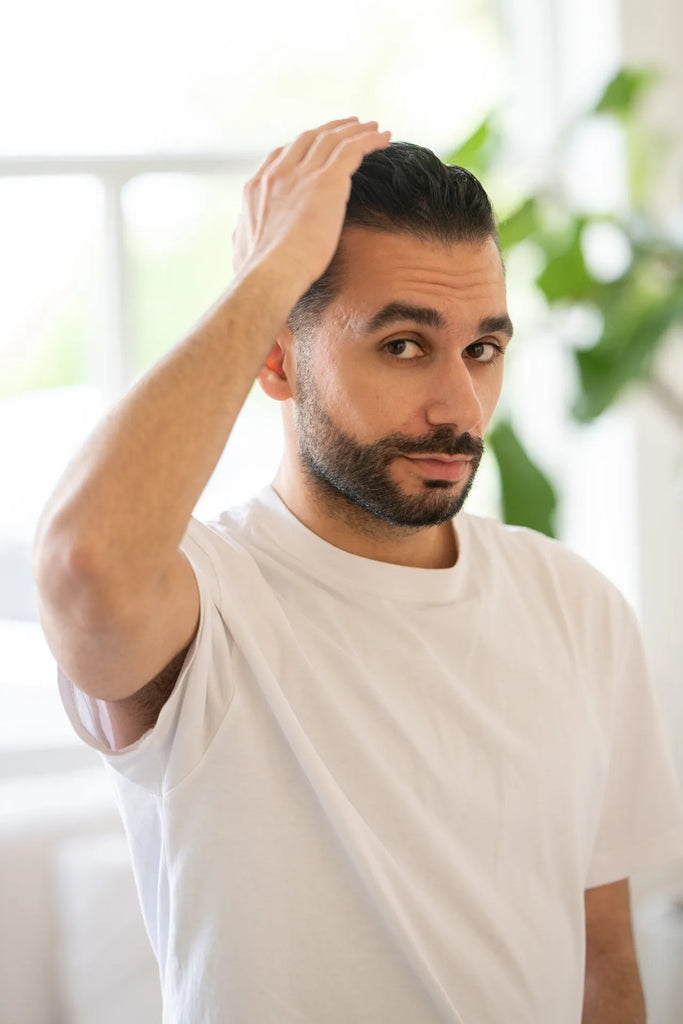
293	208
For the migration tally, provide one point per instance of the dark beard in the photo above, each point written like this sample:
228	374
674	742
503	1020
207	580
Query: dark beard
358	474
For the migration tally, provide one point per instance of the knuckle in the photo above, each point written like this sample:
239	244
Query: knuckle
310	134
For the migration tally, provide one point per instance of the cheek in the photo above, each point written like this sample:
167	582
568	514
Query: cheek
489	394
366	412
352	396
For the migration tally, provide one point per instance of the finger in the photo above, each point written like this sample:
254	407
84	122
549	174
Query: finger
271	158
349	154
296	151
332	143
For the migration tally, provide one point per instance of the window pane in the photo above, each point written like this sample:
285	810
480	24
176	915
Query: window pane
51	231
179	238
179	248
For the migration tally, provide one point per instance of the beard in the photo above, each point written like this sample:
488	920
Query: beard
350	475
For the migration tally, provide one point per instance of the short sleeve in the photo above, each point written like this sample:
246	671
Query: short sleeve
200	700
641	823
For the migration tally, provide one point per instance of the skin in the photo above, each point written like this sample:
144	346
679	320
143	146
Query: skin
428	379
613	991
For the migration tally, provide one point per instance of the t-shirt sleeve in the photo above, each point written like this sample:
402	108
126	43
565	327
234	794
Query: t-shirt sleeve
641	824
191	716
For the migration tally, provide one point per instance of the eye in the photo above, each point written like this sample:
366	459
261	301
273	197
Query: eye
484	351
399	348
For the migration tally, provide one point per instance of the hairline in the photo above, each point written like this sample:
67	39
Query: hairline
332	279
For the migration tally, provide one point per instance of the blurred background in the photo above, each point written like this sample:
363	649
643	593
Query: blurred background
126	134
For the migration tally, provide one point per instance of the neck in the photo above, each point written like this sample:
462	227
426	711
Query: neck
347	526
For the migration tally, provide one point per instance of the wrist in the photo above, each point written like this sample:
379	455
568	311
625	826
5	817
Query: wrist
278	277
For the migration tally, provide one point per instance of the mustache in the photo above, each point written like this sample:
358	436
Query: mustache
442	441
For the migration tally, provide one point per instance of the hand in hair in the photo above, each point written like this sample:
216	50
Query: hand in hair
293	208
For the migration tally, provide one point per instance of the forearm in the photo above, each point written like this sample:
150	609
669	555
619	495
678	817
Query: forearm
613	992
112	527
126	499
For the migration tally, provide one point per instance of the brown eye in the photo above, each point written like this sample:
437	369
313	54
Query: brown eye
401	350
484	351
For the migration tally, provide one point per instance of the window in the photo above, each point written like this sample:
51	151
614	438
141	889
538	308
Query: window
121	165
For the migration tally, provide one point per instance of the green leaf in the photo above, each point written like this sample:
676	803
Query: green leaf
625	91
648	154
566	275
521	223
635	326
478	152
529	499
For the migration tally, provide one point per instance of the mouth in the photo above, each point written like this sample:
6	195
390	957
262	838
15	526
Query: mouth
441	467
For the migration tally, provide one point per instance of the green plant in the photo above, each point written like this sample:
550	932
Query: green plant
637	310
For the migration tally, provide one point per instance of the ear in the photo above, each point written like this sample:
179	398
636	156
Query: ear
276	377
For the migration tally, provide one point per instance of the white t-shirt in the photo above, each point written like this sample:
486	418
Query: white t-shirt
377	793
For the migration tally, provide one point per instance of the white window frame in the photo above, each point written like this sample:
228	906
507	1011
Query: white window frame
111	367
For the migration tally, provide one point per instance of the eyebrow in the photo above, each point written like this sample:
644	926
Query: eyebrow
394	312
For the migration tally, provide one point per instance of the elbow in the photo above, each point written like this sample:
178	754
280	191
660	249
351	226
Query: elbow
68	572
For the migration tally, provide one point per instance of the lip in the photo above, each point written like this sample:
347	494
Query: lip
441	467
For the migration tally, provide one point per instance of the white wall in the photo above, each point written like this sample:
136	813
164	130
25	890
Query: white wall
654	34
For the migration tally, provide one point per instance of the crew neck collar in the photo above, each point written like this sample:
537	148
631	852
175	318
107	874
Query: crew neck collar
278	531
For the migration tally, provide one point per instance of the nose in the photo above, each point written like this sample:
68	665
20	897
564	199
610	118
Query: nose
453	399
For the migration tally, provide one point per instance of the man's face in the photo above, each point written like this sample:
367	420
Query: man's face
391	404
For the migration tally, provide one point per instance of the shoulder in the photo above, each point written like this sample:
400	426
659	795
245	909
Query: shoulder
212	541
512	543
536	586
227	556
542	565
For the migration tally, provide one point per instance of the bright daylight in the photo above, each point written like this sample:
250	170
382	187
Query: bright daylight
341	396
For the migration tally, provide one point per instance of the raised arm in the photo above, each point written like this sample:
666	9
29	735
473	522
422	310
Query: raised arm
118	600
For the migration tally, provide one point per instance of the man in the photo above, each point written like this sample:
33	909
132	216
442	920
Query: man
378	760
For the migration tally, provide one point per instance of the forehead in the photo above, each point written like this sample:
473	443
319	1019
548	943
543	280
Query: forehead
459	279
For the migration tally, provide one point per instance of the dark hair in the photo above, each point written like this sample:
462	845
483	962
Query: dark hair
403	188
